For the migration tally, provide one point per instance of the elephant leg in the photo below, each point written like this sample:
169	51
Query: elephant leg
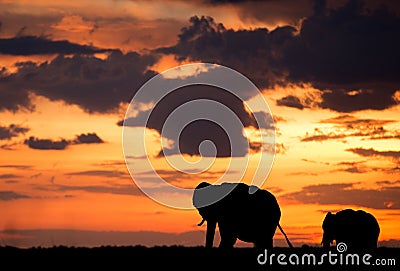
264	240
228	235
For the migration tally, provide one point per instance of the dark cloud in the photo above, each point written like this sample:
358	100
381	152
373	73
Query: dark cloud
8	146
359	167
244	50
319	136
348	52
347	194
290	101
11	195
96	85
88	138
386	182
354	167
49	144
270	12
350	126
255	146
33	45
46	144
200	130
111	163
13	130
16	166
374	153
315	162
302	173
351	122
12	98
393	135
8	176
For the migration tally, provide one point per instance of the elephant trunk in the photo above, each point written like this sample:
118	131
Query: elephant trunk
201	223
211	225
326	241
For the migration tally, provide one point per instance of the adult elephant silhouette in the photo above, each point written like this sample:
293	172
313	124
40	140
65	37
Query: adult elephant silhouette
356	228
250	217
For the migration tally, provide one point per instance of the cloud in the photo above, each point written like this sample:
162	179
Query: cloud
351	122
11	195
96	85
33	45
16	166
208	41
49	144
374	153
13	130
350	126
387	183
46	144
267	12
320	136
359	167
302	173
387	197
315	162
328	51
8	176
290	101
100	173
88	138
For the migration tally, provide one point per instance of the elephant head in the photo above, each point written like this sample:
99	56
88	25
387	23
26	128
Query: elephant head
209	213
329	226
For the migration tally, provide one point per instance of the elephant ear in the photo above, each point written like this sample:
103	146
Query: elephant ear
201	195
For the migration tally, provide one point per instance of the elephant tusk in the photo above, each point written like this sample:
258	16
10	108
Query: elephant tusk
201	223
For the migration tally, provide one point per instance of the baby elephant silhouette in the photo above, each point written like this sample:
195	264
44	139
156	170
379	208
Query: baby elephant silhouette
248	215
357	229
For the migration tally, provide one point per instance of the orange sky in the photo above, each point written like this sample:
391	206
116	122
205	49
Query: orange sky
88	186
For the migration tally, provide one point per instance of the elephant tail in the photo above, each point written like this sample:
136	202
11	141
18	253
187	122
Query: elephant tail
284	234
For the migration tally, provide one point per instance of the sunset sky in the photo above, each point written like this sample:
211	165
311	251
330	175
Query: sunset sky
329	71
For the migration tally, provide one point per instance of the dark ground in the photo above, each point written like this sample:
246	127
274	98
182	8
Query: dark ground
177	258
